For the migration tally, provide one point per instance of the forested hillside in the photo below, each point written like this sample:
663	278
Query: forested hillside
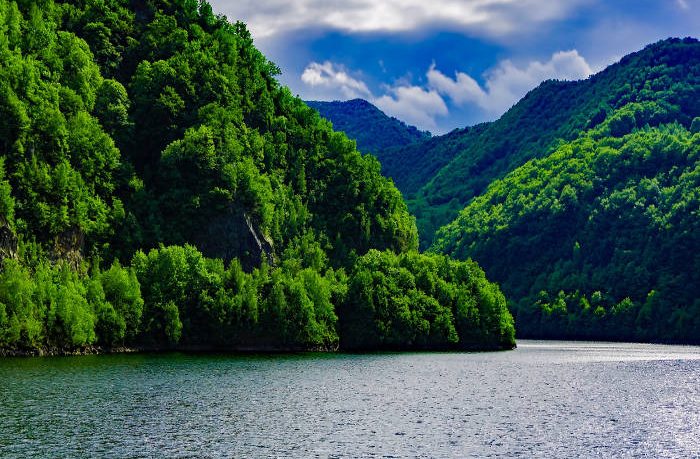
373	130
599	238
159	188
455	168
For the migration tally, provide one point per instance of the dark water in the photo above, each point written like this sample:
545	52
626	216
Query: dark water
546	399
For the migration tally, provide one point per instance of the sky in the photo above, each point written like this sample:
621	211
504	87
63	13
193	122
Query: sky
446	64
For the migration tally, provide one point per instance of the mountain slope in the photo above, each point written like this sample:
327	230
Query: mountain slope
469	160
373	130
599	239
159	188
413	166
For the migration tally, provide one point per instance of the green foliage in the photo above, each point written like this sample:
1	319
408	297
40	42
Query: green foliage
21	319
156	133
57	307
600	238
7	203
59	163
70	320
414	301
367	125
112	109
196	301
202	126
120	306
440	176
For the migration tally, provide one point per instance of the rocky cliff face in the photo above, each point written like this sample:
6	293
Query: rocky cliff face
8	241
235	235
68	247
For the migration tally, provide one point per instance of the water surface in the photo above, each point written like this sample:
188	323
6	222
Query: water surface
545	399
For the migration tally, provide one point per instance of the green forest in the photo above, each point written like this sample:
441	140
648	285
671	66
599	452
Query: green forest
581	201
440	176
369	127
159	189
600	238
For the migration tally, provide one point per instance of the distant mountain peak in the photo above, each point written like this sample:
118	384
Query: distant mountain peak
372	129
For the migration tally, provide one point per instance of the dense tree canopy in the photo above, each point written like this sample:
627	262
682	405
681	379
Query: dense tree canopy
423	302
158	186
600	238
371	128
441	175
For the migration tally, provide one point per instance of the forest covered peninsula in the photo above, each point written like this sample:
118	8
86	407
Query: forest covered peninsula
159	189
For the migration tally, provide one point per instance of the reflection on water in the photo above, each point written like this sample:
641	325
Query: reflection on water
545	399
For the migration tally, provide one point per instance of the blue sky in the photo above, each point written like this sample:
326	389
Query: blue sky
443	64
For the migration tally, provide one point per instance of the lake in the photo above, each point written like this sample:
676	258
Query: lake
545	399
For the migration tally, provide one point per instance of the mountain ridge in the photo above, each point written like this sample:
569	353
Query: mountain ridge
370	127
469	159
597	237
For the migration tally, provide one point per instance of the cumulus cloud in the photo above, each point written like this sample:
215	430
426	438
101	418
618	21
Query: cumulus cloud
507	83
421	105
334	77
413	104
490	17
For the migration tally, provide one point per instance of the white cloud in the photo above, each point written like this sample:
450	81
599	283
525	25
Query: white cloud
490	17
506	83
414	105
683	4
334	77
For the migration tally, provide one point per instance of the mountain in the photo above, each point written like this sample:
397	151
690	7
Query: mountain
453	169
160	189
598	237
373	130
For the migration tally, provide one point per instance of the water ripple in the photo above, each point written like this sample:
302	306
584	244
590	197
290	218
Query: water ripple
546	399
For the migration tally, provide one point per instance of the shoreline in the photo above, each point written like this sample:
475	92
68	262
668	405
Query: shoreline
198	349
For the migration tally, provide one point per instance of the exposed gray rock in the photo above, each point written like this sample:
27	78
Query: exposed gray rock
235	235
8	241
68	247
